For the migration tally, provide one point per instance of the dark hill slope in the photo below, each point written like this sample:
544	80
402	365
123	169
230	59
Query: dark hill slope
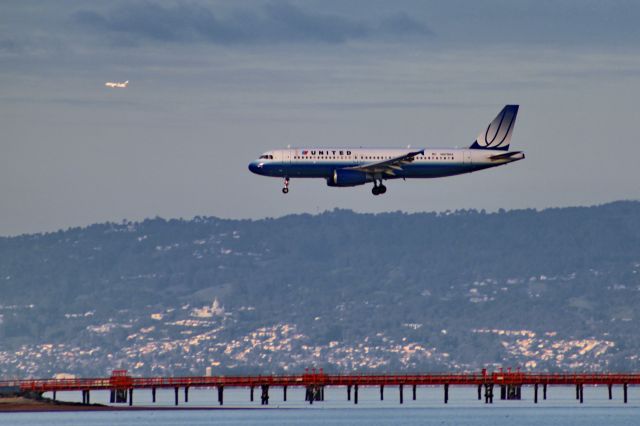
467	288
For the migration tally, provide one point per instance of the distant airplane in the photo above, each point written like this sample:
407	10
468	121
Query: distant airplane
116	85
344	167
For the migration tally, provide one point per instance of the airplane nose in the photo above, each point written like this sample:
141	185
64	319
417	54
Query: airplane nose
254	167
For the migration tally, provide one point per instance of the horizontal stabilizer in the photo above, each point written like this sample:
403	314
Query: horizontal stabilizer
515	155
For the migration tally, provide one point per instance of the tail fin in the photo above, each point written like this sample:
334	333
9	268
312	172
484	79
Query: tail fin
498	133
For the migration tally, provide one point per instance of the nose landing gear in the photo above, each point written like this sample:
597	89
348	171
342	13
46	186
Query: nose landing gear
285	190
378	188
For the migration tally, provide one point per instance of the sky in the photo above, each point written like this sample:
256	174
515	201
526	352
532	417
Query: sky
213	84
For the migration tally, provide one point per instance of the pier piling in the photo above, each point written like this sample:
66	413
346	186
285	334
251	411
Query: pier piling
488	393
265	395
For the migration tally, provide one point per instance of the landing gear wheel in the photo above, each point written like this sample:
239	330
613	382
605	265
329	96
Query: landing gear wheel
378	188
285	190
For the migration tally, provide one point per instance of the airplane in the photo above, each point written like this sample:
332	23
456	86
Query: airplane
348	167
114	84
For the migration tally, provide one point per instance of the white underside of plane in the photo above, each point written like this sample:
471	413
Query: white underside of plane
346	167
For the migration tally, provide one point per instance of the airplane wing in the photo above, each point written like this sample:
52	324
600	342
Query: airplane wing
389	166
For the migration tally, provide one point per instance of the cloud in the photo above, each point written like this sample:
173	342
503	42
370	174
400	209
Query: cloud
276	22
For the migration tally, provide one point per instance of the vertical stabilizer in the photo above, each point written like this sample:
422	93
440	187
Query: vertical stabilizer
498	133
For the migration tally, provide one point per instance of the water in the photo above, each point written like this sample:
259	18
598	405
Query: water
585	416
561	408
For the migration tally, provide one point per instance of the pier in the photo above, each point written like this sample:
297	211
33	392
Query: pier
507	384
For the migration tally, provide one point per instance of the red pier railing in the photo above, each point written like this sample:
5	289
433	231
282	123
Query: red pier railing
123	381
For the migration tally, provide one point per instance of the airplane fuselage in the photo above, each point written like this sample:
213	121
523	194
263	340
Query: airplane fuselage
323	162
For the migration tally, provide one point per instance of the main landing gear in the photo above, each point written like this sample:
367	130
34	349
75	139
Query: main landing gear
285	190
378	187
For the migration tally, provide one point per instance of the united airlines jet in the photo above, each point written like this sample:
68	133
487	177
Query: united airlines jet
117	85
345	167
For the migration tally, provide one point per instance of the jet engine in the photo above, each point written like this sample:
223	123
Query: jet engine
341	177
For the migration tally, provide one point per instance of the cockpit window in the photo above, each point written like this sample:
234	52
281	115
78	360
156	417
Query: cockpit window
266	157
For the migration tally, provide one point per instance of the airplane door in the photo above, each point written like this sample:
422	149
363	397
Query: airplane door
286	161
466	156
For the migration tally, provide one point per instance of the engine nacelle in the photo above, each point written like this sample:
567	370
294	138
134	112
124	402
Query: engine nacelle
343	177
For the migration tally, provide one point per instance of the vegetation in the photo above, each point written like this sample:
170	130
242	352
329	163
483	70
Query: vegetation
340	276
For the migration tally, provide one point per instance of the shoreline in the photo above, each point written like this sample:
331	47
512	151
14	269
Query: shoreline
19	403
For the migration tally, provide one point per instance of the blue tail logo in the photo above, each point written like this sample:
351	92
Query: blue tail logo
498	133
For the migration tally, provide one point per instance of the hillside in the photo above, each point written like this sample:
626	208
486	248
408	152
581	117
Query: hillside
546	290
